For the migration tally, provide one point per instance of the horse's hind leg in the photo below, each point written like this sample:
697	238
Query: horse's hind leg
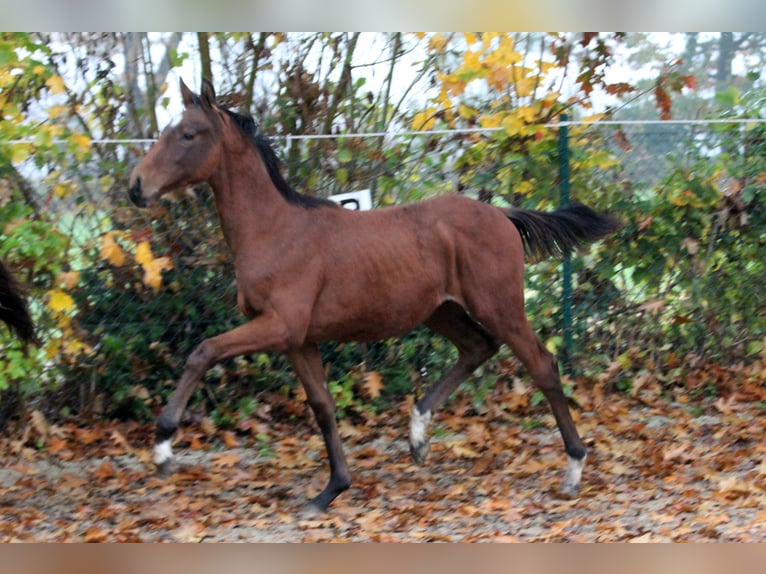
542	367
474	345
307	363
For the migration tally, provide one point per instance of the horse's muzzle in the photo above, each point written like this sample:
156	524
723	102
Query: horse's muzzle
135	193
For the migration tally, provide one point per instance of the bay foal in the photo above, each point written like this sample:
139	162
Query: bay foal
308	271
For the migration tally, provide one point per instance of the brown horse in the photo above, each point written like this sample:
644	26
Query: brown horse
14	310
308	271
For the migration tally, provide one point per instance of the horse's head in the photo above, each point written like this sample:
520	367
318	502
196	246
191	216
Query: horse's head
186	153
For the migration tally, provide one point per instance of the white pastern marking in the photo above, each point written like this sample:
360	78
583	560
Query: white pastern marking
163	452
574	472
419	424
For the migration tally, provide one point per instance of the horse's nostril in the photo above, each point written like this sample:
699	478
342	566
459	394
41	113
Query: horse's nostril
135	193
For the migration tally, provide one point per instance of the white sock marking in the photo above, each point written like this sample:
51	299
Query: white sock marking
163	452
419	424
574	474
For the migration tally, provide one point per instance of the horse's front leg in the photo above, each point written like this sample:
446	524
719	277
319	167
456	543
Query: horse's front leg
264	333
307	363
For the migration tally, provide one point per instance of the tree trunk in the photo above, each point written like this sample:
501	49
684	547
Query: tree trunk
204	55
726	53
257	51
345	80
132	46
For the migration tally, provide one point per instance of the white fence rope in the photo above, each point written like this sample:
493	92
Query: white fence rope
288	138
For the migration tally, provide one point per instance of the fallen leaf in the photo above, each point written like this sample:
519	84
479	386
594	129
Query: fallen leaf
105	470
208	426
225	459
230	439
372	383
463	451
189	532
56	445
95	534
39	423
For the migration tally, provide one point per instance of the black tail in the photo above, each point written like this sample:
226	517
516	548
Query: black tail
563	231
13	308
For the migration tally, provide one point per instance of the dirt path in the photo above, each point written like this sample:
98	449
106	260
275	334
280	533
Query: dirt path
654	473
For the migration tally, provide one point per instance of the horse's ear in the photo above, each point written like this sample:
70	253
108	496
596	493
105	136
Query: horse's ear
208	94
186	95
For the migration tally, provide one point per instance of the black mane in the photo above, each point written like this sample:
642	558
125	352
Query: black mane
262	143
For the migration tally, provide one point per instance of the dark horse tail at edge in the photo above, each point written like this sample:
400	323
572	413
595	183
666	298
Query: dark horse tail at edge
14	310
561	232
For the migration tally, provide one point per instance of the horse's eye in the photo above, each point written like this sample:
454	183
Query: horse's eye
188	136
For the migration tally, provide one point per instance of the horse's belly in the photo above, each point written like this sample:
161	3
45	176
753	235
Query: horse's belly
373	318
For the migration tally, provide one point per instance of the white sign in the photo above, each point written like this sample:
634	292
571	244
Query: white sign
354	200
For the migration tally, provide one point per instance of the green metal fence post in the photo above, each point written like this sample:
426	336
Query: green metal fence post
566	296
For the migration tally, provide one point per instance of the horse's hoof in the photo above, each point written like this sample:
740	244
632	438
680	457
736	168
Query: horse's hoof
420	452
165	468
569	491
312	510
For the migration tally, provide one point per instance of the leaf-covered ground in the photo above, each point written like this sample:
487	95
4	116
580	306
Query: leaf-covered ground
659	469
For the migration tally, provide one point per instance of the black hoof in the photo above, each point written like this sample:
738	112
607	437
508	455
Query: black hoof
420	452
313	509
165	469
568	491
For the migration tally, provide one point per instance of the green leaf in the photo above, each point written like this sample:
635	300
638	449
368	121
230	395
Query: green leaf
729	97
345	156
7	53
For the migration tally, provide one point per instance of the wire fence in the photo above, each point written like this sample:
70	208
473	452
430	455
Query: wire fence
669	181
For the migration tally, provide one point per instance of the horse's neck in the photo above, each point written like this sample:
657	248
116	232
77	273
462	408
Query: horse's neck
250	208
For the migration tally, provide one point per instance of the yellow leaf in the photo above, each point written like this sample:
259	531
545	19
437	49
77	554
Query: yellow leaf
59	301
81	140
452	83
56	111
498	77
77	347
466	112
471	62
523	187
424	120
144	253
593	118
53	347
487	37
60	190
111	250
437	42
524	87
469	38
527	114
444	100
56	84
504	55
512	125
153	271
490	120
